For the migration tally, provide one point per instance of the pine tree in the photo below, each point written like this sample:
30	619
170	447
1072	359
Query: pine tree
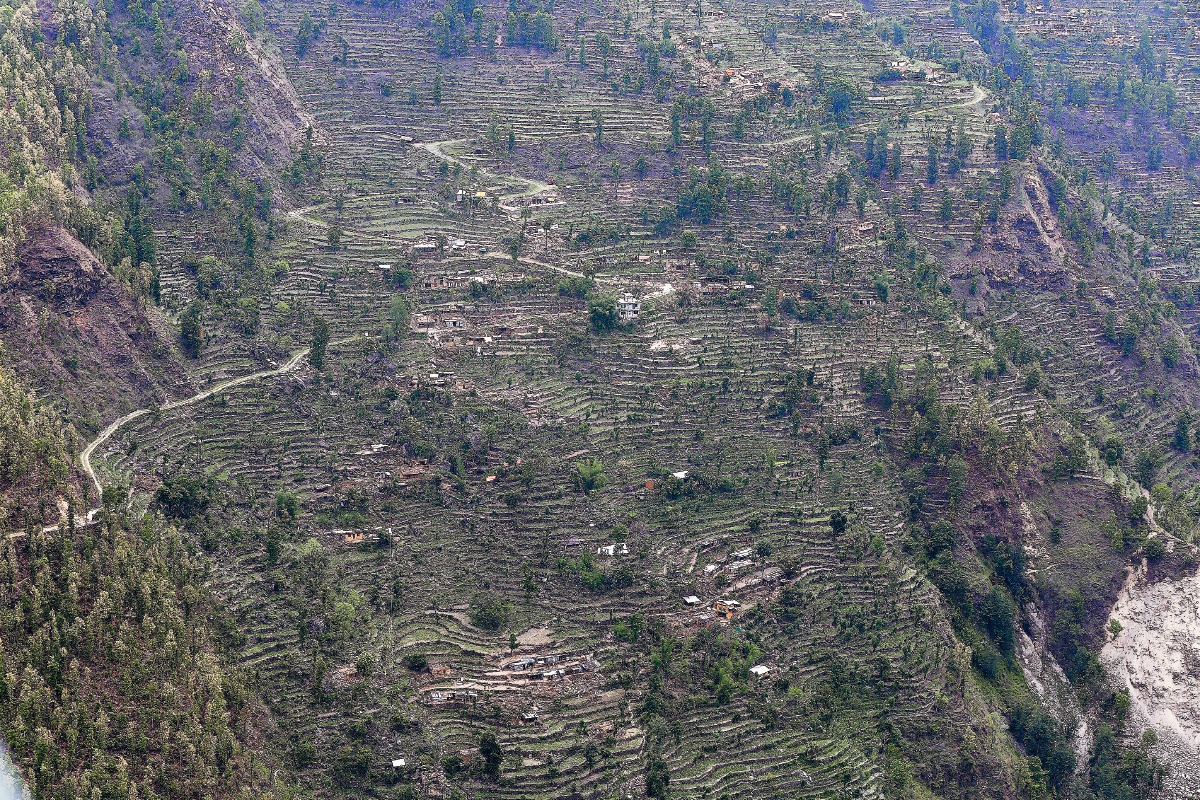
320	340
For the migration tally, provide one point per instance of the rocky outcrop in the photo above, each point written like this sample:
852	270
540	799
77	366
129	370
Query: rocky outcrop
73	333
1156	657
55	265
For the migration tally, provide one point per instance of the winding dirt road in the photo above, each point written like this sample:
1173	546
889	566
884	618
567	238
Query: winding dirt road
85	457
438	149
978	94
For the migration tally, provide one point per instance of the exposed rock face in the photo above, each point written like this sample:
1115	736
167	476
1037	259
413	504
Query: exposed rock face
55	265
210	29
1042	671
1156	656
73	333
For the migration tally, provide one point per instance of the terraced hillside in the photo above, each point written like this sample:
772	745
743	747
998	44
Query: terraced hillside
495	489
588	399
821	411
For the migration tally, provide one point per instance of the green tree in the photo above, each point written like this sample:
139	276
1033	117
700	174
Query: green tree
896	163
1113	451
1138	509
287	506
957	471
1001	142
252	13
998	615
398	317
1149	462
941	537
305	34
493	755
191	334
840	96
946	211
112	498
604	47
489	612
320	340
602	313
589	476
1182	439
658	779
365	665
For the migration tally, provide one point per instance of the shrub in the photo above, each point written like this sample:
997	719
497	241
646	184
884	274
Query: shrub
588	476
489	612
1138	509
1154	548
303	754
183	496
351	763
941	537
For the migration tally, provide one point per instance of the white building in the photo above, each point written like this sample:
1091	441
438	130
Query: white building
629	307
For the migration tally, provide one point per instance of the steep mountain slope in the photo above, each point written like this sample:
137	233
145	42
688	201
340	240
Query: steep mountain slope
36	454
74	332
114	681
825	272
735	401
